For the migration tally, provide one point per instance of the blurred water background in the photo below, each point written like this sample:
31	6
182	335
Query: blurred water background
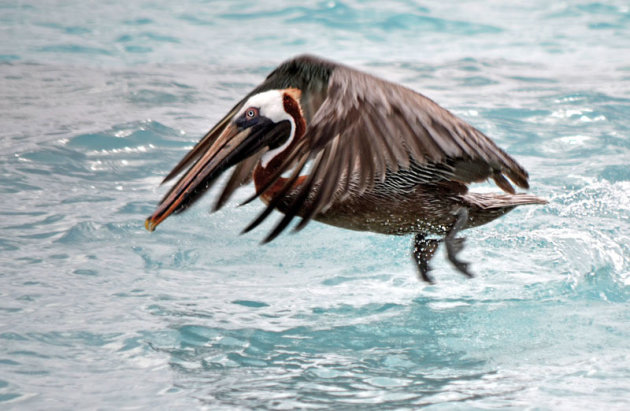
99	100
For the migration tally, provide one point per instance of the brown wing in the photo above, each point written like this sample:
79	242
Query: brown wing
368	129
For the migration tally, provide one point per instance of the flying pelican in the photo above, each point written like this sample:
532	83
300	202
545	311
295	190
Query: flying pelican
377	156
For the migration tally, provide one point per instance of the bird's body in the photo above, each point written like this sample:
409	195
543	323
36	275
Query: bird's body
380	157
398	206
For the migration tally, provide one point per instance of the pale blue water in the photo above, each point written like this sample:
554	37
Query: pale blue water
99	101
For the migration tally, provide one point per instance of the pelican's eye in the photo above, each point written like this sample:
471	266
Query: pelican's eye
251	113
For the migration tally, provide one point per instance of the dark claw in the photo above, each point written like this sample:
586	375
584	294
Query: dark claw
455	245
461	266
423	250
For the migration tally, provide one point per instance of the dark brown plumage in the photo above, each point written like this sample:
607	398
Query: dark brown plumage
380	157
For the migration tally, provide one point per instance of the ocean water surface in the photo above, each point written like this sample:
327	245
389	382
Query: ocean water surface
99	100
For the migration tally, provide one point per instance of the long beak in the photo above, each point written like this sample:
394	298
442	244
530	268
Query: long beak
231	147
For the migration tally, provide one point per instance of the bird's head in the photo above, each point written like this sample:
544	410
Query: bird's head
269	121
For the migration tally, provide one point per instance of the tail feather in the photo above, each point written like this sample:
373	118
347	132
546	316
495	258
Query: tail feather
488	201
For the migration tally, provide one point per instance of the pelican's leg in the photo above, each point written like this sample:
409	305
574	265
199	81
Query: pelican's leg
423	250
455	245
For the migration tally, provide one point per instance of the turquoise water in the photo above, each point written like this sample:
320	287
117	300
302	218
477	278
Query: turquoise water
99	101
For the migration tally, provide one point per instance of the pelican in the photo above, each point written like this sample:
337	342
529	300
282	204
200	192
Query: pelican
325	142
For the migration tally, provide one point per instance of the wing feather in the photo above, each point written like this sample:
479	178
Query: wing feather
328	177
277	198
241	175
300	199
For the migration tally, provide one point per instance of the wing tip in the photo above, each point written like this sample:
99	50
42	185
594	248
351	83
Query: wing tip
502	182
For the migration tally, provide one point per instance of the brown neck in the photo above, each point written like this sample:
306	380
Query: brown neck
262	175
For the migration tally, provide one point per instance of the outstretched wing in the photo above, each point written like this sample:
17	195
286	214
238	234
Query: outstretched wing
368	129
